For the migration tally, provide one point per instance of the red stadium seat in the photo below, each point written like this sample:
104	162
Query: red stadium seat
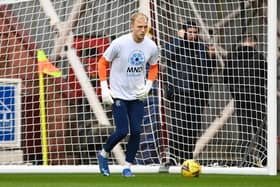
89	49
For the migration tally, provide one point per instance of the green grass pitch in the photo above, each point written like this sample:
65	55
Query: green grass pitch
140	180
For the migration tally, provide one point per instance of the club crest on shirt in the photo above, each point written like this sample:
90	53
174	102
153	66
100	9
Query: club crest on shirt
136	63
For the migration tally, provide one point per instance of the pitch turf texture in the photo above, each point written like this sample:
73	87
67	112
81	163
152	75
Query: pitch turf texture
140	180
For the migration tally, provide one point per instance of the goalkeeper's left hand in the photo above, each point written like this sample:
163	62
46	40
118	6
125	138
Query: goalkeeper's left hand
144	91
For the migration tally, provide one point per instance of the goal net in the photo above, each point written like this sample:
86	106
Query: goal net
212	100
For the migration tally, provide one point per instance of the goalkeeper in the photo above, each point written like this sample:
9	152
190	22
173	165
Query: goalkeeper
127	57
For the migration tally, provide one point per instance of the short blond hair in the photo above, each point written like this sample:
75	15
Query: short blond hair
136	15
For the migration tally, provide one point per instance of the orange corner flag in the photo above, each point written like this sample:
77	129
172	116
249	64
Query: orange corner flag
45	66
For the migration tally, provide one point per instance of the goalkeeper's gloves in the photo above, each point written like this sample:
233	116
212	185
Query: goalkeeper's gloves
144	91
106	93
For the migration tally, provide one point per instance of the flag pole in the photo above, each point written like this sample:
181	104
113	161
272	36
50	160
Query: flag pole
44	67
43	119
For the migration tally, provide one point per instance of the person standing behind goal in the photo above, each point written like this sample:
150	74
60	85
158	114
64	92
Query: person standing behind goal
128	56
190	64
245	74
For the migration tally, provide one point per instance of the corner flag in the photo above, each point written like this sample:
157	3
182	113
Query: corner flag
45	66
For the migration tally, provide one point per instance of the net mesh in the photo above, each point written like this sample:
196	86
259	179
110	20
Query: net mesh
204	105
215	82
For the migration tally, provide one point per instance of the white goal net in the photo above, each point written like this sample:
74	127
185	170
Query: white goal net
212	100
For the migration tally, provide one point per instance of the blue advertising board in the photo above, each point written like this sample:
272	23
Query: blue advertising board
9	113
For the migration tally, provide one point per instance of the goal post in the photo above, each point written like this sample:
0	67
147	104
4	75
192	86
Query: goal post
272	89
218	132
192	111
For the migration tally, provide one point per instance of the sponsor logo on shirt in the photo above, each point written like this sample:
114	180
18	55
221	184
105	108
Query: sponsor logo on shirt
136	63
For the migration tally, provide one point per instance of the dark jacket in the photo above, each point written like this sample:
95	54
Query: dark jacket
246	74
188	66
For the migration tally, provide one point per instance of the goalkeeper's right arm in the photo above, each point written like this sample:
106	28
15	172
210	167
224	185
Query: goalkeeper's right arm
106	93
103	64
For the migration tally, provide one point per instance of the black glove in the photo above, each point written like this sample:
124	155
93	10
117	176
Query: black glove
169	93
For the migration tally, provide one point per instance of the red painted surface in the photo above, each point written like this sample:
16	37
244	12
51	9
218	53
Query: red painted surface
89	50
